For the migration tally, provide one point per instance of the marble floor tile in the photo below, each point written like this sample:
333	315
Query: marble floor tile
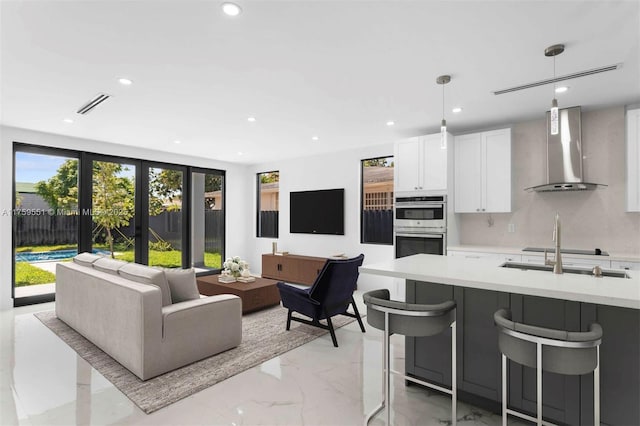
44	382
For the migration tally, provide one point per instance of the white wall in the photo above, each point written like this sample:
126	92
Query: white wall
329	171
237	181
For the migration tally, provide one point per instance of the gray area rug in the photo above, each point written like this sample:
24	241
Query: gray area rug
263	337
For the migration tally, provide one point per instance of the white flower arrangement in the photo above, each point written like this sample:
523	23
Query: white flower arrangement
234	266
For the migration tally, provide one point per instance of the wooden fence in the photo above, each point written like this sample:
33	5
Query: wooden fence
269	223
58	230
377	226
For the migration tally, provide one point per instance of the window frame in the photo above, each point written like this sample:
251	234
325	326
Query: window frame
258	204
362	201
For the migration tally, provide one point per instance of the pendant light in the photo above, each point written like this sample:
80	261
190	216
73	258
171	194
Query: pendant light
554	51
443	79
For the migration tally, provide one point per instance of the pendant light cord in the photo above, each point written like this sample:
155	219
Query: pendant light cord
443	102
554	76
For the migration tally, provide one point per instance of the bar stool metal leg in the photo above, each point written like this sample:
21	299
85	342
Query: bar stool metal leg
539	383
504	390
387	368
454	376
596	389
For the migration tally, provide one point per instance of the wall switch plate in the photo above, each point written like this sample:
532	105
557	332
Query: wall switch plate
511	227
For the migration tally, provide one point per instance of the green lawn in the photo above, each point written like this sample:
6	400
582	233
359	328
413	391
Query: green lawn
170	259
34	249
27	274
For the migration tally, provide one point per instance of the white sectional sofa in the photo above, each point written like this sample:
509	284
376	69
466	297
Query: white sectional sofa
149	320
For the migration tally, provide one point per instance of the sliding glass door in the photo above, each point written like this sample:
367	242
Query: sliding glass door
45	219
113	208
134	210
207	220
165	230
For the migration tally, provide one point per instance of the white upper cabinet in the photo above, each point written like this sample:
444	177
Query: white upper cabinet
482	169
420	164
633	160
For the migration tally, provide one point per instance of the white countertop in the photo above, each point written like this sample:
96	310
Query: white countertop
623	257
486	275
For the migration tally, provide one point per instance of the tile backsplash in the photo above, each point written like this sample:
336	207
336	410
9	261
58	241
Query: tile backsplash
590	219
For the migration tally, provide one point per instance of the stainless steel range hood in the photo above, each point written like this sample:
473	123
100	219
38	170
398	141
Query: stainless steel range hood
564	155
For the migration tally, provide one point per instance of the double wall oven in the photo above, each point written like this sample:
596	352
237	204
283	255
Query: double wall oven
420	225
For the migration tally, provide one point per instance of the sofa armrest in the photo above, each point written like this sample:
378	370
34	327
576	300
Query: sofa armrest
201	322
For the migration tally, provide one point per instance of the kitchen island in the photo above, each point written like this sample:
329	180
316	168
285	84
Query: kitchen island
567	301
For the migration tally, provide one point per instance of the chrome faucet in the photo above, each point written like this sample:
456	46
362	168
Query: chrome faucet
557	262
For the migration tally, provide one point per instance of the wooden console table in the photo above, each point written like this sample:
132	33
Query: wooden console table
292	268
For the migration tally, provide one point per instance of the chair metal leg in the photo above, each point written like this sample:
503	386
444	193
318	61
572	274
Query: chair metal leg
289	320
454	376
355	311
332	331
504	390
596	389
539	382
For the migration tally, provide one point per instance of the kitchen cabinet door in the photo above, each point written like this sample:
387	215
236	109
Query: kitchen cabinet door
561	393
467	167
496	173
434	164
633	160
483	172
407	165
429	358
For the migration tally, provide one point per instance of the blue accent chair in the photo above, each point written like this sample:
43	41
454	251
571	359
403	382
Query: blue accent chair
330	295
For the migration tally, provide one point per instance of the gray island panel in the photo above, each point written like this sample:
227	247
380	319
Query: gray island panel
480	288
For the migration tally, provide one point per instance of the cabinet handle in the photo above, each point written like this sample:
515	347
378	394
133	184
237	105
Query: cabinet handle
415	187
477	210
482	209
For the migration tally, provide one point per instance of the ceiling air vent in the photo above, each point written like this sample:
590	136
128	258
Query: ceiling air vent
97	100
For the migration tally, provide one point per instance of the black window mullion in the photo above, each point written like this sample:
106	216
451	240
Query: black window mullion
85	195
186	217
142	219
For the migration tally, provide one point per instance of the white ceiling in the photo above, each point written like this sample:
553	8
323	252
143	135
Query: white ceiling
336	69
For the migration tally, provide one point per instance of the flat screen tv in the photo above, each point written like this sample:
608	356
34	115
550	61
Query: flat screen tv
317	212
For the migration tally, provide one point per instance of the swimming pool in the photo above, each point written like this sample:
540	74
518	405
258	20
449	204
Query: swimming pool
48	256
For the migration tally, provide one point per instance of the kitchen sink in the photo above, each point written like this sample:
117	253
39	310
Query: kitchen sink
567	270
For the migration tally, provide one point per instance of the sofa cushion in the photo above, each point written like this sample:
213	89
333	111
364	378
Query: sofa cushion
86	259
109	265
182	283
147	275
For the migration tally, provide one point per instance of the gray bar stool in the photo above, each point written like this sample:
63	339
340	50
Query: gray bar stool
413	320
557	351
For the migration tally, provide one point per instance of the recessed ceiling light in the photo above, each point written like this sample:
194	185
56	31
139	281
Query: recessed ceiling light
177	142
231	9
315	138
239	153
561	89
391	123
125	81
457	110
68	120
251	119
